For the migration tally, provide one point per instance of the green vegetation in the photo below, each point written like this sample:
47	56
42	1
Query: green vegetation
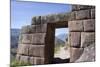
57	48
15	63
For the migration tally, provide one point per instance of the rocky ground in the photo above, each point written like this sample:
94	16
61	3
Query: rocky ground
62	53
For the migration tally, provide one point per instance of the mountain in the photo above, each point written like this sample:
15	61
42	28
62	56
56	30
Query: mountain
14	37
59	42
15	32
63	37
14	41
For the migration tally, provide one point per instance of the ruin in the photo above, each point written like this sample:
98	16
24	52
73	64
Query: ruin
36	41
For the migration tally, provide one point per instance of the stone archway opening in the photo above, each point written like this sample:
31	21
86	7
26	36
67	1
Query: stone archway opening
61	47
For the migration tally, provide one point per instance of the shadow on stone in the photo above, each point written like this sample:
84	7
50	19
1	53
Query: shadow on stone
59	60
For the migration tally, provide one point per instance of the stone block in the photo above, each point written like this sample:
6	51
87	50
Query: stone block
33	21
37	50
41	28
23	49
75	39
75	25
28	29
50	18
24	59
65	16
36	60
87	38
93	13
26	38
18	57
40	60
43	19
36	20
88	54
69	16
75	53
81	7
83	14
74	7
38	38
89	25
32	60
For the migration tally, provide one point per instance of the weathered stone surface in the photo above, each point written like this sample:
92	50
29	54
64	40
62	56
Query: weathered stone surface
75	25
23	49
40	61
41	28
75	39
43	19
24	59
36	50
18	57
38	38
26	38
89	25
36	60
36	20
74	7
88	54
83	14
33	21
28	29
87	38
93	13
81	7
75	53
84	7
32	60
53	18
70	16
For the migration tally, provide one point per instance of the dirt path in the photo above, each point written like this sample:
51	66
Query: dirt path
62	53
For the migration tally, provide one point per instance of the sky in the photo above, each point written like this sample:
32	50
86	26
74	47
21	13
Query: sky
22	12
61	31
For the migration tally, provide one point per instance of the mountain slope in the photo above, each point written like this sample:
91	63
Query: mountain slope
63	37
59	42
14	37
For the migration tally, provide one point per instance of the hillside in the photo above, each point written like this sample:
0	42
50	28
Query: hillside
59	42
14	37
62	36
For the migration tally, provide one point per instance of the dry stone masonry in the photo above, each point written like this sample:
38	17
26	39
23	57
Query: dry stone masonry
36	41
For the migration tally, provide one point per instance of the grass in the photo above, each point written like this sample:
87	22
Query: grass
15	63
57	48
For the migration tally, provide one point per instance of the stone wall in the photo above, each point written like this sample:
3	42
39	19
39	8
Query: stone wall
36	42
82	33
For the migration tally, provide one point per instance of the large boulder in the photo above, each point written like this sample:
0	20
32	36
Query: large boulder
88	54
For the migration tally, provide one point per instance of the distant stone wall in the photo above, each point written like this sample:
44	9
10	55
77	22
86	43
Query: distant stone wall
36	42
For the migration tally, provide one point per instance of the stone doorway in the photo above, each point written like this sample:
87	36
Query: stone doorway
50	42
61	48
